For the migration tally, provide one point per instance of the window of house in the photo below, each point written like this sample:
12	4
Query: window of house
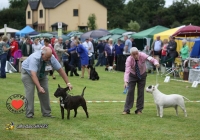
41	13
75	13
29	14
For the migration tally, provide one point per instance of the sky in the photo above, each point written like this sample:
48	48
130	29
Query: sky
5	3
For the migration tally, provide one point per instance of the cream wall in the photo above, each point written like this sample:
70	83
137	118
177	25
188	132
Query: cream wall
35	16
41	20
29	21
47	20
64	13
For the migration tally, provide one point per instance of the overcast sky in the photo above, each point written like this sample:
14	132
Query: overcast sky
5	3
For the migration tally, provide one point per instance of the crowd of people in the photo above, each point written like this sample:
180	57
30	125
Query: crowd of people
105	51
166	51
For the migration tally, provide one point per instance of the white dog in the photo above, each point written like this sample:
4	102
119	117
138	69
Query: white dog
163	101
111	68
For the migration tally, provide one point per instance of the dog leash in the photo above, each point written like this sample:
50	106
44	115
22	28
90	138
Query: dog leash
70	93
157	75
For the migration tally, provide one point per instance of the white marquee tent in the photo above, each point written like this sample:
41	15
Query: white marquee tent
8	30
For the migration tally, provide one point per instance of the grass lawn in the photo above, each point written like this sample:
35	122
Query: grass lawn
105	121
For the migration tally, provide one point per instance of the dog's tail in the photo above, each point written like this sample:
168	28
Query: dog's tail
83	92
186	98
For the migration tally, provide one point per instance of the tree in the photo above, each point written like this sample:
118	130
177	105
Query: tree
115	15
143	11
92	22
15	15
175	24
134	26
18	3
14	18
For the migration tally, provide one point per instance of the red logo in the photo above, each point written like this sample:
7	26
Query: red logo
16	103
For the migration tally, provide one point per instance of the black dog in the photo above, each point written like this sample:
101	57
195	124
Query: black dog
70	68
93	74
69	102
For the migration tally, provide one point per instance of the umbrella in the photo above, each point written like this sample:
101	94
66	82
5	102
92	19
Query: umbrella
105	37
189	30
117	31
113	37
94	34
48	35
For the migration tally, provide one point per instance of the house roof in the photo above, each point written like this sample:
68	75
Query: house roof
101	4
33	4
48	4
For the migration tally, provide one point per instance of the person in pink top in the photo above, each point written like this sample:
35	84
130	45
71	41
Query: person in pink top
47	44
135	73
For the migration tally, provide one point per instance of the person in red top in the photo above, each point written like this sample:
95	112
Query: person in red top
14	46
164	50
52	41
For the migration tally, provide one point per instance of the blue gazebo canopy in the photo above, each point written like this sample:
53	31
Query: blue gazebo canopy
25	31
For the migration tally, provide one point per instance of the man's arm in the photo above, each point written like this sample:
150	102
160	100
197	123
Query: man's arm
5	48
36	82
152	45
149	58
65	78
57	48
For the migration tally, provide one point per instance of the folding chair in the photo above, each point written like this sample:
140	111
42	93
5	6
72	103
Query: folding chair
168	69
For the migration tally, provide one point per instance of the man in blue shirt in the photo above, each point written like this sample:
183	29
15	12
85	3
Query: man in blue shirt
128	45
34	73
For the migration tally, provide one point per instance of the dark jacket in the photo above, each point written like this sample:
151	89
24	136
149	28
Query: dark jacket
100	47
119	49
24	50
108	50
66	46
171	49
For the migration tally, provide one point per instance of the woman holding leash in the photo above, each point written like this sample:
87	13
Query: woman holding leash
83	54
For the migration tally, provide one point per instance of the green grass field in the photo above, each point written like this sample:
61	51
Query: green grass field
105	121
